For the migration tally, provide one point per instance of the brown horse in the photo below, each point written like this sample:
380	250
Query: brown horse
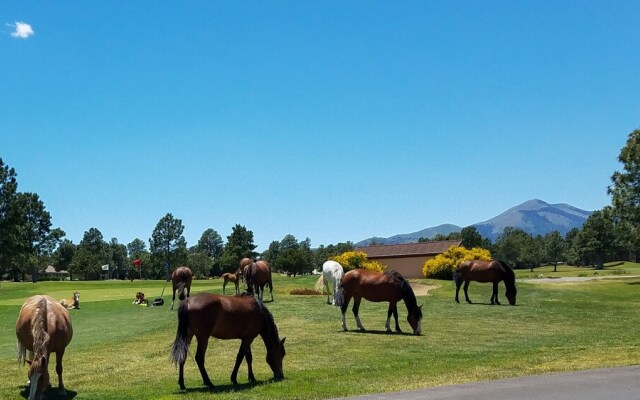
257	275
486	271
244	263
226	317
70	304
43	327
181	279
233	278
375	286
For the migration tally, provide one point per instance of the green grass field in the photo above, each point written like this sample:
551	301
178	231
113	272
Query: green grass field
121	351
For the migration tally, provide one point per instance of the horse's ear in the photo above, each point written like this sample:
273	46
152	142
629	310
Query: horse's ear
420	306
29	362
282	341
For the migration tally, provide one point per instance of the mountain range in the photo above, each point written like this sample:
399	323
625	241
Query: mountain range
535	216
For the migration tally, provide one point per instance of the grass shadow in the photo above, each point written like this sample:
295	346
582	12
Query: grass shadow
633	283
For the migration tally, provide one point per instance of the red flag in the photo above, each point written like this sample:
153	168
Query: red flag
137	262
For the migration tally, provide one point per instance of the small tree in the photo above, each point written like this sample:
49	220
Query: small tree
358	259
444	265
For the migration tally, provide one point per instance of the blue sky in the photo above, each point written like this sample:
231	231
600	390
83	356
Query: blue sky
330	120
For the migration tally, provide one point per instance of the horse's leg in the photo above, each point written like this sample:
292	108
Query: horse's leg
59	355
173	299
494	296
326	287
181	366
243	351
237	287
466	295
393	309
458	284
203	342
345	305
387	324
188	290
356	308
224	285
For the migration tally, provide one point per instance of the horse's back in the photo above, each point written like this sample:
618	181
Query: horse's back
372	285
59	325
332	271
481	271
224	317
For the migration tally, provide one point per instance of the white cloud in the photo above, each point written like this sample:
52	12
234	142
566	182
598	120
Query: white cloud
22	31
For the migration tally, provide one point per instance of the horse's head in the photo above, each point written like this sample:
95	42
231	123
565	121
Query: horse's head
38	377
76	297
415	320
275	354
511	294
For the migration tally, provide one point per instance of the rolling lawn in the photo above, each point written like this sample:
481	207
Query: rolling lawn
121	351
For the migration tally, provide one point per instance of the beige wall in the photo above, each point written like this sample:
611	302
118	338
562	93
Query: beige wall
409	267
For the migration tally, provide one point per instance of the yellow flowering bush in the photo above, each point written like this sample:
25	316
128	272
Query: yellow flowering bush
444	265
357	259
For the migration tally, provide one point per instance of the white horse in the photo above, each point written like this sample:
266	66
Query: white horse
332	273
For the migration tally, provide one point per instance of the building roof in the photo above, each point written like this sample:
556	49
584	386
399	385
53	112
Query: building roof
51	270
408	249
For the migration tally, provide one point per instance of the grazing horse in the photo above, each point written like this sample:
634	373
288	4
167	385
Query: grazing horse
375	286
181	279
43	327
233	278
332	273
226	317
486	271
257	275
70	304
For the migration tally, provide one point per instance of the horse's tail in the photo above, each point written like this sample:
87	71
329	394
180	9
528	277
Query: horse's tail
180	346
181	290
338	296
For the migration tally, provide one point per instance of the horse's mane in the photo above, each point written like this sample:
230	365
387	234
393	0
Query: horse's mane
510	276
408	295
269	329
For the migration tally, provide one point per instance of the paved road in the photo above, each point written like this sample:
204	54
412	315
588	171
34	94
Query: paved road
596	384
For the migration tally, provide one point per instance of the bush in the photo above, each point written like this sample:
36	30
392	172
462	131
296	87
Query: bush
357	259
444	265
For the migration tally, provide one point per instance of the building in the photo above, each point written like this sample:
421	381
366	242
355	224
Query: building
407	258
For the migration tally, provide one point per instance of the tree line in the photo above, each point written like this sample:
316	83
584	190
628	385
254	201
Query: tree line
28	242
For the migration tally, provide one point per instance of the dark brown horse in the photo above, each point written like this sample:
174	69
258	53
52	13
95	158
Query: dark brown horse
375	286
43	327
181	279
226	317
233	278
258	275
486	271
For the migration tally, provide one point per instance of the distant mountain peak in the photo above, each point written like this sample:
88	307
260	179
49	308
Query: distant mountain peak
535	216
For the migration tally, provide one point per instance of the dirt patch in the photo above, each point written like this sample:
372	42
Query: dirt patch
420	289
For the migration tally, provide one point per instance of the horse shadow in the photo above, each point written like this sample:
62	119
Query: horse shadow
228	388
50	394
633	283
380	332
